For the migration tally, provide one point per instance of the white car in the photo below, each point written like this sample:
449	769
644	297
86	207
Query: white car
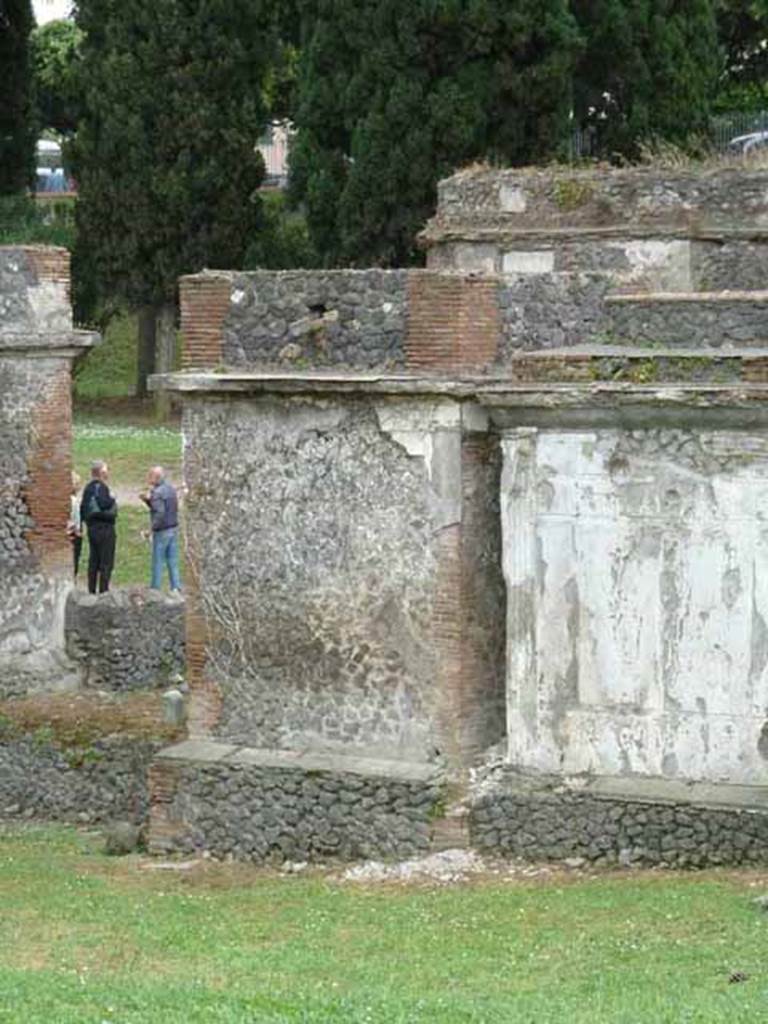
743	145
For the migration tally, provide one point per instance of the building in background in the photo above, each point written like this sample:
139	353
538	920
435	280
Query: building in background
51	10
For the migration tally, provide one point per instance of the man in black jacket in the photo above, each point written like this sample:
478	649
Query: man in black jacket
98	510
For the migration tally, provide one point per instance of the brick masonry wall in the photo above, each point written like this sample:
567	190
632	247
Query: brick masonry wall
468	615
453	323
389	320
49	475
205	302
50	264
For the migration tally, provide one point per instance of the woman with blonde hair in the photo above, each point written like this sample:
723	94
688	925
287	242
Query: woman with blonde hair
74	523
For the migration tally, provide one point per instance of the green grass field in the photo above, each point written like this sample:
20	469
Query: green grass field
88	939
109	370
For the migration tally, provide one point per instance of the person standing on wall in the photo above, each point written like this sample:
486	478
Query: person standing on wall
163	504
98	510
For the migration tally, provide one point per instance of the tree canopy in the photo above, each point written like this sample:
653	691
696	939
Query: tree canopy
165	154
394	94
55	62
17	130
650	70
743	32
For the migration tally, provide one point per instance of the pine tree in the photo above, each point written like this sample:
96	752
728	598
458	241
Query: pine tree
165	155
17	133
395	94
649	71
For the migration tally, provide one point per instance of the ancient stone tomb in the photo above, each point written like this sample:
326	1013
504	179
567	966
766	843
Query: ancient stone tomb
499	524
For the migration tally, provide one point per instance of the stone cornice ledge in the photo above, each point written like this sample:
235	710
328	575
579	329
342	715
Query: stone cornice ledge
47	341
196	751
495	391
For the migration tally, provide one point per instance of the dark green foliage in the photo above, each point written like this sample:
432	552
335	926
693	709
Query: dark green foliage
55	56
17	133
649	71
395	94
743	29
24	222
282	240
165	156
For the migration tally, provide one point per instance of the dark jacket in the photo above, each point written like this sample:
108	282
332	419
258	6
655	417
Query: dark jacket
97	504
163	507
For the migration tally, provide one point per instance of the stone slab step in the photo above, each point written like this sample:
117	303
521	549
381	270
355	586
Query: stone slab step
686	319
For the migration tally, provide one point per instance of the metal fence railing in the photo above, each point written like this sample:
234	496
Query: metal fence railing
724	127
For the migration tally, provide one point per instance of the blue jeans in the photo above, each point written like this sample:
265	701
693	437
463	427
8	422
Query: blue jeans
165	551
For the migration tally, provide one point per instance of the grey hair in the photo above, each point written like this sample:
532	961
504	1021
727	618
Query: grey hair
97	466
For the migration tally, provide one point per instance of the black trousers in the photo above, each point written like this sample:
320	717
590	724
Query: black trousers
101	556
77	547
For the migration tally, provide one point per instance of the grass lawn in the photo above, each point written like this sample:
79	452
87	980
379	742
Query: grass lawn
129	449
109	370
87	939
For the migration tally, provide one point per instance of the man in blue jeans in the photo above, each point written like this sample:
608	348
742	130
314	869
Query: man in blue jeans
163	504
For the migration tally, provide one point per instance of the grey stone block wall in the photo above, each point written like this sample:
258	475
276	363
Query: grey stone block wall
317	318
552	825
128	639
544	311
106	781
649	197
692	322
257	813
732	264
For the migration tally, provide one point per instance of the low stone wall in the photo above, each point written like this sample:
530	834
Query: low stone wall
259	805
351	317
544	311
127	639
692	320
103	782
80	757
649	199
513	819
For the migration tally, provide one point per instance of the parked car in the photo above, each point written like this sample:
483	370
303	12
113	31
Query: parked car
744	145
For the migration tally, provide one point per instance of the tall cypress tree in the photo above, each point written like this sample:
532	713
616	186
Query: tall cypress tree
165	154
17	133
743	30
649	71
395	94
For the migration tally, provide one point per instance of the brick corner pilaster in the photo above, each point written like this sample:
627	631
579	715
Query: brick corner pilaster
205	694
164	828
454	322
205	301
49	474
51	265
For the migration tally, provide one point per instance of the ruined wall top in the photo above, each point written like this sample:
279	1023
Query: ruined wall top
648	201
35	310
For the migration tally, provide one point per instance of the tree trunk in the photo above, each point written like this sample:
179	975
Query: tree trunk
166	355
145	361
